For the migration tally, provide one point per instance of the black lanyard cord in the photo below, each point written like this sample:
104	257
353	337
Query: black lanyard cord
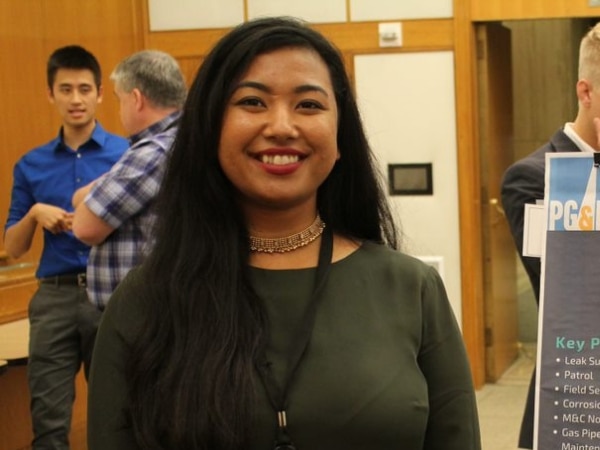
278	396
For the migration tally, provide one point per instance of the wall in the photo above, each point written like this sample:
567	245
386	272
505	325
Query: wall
407	101
540	48
168	15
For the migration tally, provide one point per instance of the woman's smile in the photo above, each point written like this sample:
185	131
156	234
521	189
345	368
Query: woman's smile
279	137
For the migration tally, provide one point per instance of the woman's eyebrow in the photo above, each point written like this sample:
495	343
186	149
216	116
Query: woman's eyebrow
298	90
310	88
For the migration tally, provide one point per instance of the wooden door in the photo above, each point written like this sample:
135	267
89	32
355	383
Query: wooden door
496	134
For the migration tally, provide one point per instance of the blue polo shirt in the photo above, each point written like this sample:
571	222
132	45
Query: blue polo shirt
51	174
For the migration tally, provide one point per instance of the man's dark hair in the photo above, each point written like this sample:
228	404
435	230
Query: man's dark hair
72	57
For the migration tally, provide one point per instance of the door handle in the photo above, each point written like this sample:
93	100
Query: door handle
496	204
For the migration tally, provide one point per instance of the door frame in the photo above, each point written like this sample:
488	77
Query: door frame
494	62
467	13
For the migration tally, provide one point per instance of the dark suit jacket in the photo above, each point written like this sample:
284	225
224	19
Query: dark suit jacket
523	182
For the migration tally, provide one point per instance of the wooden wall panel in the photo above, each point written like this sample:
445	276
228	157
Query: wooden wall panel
363	37
185	43
110	34
190	46
189	66
469	189
354	37
24	97
540	48
490	10
15	421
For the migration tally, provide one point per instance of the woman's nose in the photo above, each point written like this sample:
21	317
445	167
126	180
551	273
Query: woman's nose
281	124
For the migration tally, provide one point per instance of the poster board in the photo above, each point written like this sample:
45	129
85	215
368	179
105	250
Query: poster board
568	364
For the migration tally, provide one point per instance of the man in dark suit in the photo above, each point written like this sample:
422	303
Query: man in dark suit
524	181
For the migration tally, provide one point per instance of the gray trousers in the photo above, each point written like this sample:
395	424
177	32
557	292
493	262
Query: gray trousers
63	328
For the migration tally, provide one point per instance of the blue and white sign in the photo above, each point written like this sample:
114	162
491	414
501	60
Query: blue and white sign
568	366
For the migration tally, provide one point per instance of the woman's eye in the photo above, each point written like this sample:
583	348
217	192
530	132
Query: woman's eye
250	101
310	104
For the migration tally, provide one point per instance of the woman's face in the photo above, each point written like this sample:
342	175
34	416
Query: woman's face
279	137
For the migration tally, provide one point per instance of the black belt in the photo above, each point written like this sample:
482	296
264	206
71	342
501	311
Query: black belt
71	279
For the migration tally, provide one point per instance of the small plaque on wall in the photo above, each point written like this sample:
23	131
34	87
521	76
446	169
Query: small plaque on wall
410	179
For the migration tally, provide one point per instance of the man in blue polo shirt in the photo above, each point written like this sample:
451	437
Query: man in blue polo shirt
63	322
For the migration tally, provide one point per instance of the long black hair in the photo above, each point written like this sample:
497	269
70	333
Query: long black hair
191	375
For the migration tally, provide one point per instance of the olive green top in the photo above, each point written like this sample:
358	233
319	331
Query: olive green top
385	368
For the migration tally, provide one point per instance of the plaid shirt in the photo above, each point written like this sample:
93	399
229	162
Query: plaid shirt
123	198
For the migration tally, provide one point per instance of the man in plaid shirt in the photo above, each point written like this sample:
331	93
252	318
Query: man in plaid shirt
114	213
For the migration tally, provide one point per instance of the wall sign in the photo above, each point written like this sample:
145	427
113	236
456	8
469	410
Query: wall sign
410	179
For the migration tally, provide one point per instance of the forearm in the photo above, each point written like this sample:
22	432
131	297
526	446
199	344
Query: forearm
18	238
88	227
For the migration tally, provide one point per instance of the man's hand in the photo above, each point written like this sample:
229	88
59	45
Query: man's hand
17	238
52	218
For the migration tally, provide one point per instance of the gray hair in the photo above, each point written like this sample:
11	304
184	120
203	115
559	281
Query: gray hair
156	74
589	56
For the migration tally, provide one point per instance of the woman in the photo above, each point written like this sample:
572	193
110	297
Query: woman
274	310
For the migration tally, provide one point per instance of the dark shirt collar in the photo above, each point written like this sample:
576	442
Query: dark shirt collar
157	127
96	140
